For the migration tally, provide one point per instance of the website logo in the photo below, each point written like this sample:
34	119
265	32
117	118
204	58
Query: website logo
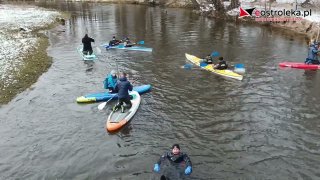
246	12
274	15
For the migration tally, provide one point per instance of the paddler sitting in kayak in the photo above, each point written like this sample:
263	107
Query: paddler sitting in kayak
111	81
128	43
208	59
114	41
221	65
313	54
175	157
122	88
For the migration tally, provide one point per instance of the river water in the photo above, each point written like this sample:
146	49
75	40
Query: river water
263	127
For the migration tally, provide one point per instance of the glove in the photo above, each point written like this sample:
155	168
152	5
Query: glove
156	168
188	170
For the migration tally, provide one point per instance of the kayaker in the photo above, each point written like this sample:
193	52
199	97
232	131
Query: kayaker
127	43
111	81
313	54
175	157
208	59
221	65
87	48
114	41
122	88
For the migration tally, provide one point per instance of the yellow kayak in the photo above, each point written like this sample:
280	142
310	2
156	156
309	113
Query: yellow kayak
209	67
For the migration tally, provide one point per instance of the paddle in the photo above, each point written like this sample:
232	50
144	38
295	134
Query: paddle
187	66
140	42
102	105
215	54
98	50
203	64
239	68
121	46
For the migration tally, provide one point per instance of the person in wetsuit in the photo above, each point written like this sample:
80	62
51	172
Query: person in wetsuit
175	156
87	48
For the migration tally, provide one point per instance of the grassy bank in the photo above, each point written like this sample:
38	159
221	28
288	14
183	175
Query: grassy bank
35	63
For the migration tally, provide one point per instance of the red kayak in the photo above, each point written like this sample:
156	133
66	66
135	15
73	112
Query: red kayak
299	65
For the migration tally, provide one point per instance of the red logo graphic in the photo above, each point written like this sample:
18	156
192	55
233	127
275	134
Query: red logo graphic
246	12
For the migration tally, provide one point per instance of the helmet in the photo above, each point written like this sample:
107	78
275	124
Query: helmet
113	72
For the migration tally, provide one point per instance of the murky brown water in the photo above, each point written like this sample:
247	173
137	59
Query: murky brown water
264	127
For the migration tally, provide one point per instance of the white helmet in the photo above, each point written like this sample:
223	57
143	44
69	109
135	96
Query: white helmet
113	72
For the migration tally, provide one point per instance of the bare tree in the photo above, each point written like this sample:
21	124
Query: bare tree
195	3
218	5
306	3
233	4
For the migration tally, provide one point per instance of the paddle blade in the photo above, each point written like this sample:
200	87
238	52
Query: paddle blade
102	105
140	42
187	66
203	64
239	65
215	54
98	50
239	68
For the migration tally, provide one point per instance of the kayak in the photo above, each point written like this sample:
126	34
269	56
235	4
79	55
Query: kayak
132	48
86	57
104	96
299	65
118	119
209	67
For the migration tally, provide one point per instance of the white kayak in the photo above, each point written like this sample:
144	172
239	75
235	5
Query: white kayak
118	119
84	56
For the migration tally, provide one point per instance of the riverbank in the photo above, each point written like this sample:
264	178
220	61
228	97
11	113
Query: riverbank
307	26
23	47
166	3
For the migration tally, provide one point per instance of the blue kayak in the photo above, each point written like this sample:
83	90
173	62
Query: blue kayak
132	48
104	96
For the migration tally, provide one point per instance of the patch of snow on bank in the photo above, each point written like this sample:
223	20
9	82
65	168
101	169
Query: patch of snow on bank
14	44
28	17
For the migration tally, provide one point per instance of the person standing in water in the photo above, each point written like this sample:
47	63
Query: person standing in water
175	156
87	48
